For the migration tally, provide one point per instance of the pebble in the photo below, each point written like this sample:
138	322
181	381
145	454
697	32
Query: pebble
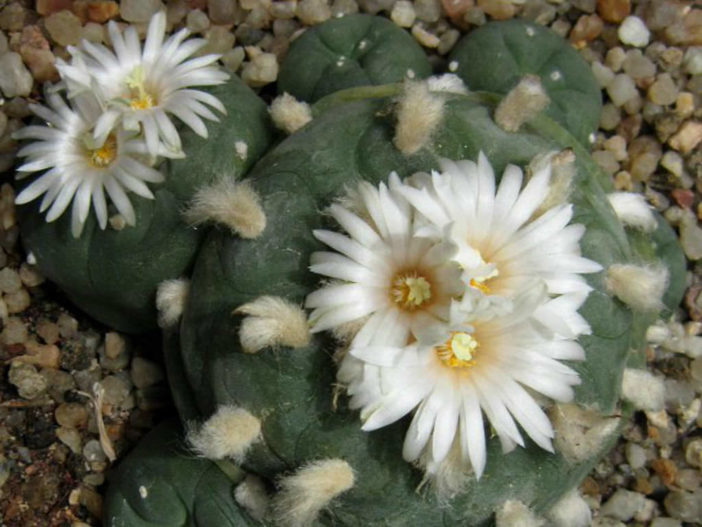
85	379
688	479
663	91
633	31
17	302
313	12
92	451
14	332
693	60
686	506
222	11
58	382
10	281
25	377
115	345
613	11
68	326
687	137
3	44
498	9
586	29
610	117
623	504
344	7
116	390
139	11
602	73
637	65
635	456
197	21
219	40
403	13
71	438
615	58
447	41
15	79
64	28
427	10
665	522
234	58
13	17
621	89
693	453
261	70
424	37
71	415
102	11
145	373
607	161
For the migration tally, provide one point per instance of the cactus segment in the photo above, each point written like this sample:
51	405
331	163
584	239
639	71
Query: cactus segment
355	50
496	56
113	274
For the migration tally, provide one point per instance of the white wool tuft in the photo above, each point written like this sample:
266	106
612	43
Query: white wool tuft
231	203
570	511
522	103
419	112
305	493
449	477
514	513
289	114
641	287
252	496
447	83
272	321
563	172
229	432
643	389
632	210
171	297
580	432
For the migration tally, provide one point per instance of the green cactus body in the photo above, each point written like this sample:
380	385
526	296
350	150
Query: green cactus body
292	391
113	274
355	50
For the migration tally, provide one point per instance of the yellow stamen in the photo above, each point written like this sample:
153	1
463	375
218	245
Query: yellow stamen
458	351
140	99
479	285
104	155
410	290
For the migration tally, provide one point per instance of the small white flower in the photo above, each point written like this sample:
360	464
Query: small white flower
76	168
142	86
403	283
502	247
476	369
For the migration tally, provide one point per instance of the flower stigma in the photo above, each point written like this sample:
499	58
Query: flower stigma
103	156
140	98
458	351
410	290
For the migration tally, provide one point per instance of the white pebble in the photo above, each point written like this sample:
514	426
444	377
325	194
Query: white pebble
633	31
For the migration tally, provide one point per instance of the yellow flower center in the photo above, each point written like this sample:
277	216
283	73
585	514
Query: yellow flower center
104	155
140	98
410	290
458	351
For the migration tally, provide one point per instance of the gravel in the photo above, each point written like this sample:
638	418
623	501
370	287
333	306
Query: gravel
646	56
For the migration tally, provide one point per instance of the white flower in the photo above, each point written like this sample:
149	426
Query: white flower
502	247
142	86
404	284
76	168
476	369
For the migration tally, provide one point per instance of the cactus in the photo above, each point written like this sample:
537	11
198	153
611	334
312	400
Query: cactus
243	364
112	273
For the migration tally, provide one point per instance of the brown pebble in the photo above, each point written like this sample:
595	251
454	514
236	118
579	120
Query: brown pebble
613	10
71	415
44	355
101	12
643	485
630	126
92	501
665	469
46	7
456	9
686	32
18	301
586	29
498	9
683	197
30	276
48	331
590	487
